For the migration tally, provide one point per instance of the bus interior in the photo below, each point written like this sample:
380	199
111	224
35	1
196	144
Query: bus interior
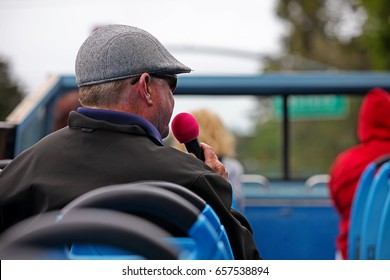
290	128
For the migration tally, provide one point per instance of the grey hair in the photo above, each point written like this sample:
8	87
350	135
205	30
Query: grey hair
104	95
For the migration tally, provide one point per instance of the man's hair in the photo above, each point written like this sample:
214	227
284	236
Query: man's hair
104	95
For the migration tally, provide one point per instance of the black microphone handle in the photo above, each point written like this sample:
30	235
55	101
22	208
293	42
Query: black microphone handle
194	147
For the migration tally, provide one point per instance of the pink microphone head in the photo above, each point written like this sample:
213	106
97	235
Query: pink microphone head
185	128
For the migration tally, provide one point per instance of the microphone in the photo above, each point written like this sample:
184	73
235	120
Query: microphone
185	128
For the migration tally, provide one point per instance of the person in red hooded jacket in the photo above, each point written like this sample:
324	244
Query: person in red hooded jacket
374	136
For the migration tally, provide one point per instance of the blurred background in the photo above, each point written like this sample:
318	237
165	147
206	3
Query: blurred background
41	38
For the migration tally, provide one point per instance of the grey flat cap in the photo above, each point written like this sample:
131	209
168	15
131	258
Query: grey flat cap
116	52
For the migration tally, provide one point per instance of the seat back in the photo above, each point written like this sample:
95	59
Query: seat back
47	235
359	207
372	213
383	245
158	204
206	210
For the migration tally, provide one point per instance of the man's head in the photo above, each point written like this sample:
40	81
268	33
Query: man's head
116	52
125	68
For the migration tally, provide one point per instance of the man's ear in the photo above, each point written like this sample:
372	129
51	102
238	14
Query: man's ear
145	83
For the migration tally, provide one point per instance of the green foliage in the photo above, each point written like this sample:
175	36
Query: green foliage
261	152
10	94
318	39
376	35
314	143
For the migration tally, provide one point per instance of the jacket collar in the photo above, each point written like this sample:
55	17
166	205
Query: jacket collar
122	118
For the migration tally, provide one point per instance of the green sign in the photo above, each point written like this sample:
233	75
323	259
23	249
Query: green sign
313	106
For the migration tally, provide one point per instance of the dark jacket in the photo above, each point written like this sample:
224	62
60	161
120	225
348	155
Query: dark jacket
374	136
92	153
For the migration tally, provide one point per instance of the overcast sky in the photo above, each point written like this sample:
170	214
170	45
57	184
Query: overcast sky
42	37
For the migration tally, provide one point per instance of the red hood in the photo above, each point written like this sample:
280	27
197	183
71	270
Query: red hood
374	116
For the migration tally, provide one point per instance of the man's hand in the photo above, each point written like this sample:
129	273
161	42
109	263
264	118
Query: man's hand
212	161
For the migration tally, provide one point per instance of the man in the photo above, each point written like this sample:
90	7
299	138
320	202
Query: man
126	82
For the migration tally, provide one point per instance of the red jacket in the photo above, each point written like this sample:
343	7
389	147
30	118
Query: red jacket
374	137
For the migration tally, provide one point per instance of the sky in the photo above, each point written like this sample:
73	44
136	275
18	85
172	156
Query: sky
42	37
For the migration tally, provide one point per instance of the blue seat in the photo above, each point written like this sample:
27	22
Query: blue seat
47	236
206	210
372	213
383	245
198	237
359	207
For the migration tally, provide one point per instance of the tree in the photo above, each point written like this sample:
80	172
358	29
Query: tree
334	34
376	33
10	93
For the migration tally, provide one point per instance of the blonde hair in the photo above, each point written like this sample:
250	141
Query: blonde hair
213	132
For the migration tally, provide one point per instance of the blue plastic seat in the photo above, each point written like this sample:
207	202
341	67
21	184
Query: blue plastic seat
47	236
201	239
383	245
225	252
373	211
359	207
